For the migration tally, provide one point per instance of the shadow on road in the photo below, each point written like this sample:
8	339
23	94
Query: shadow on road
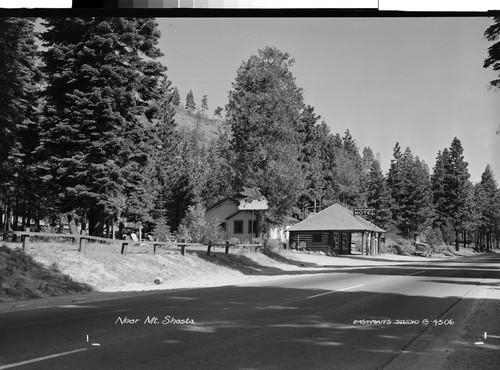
476	269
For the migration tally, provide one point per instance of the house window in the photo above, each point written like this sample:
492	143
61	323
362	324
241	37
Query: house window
317	238
254	228
223	226
238	226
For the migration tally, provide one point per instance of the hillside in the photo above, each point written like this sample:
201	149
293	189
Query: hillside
208	129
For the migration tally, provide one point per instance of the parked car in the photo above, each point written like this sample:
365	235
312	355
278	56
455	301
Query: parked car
423	249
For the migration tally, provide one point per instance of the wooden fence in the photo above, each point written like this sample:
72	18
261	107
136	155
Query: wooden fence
82	240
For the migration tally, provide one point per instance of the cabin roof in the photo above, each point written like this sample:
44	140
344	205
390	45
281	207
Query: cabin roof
335	217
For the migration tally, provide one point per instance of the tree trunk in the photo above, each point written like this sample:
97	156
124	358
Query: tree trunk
96	222
121	228
14	226
72	223
84	221
457	241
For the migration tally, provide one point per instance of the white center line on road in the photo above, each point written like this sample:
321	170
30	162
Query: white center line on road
334	291
415	273
41	359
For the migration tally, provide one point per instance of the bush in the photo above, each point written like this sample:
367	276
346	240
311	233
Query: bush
162	232
195	227
433	237
404	247
234	241
272	245
389	249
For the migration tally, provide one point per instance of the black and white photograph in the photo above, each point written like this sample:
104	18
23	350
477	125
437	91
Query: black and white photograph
249	190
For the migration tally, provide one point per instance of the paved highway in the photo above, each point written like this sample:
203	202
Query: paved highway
409	316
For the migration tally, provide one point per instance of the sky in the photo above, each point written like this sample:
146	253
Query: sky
416	81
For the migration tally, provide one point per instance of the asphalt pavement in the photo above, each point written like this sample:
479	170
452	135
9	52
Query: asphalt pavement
409	316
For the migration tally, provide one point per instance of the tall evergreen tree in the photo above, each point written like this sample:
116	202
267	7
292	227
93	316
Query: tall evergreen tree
395	181
378	197
264	111
204	103
442	199
167	148
416	208
492	33
99	85
349	172
20	79
458	188
489	210
368	159
176	97
190	104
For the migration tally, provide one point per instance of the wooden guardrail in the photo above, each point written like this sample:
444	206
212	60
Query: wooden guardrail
82	239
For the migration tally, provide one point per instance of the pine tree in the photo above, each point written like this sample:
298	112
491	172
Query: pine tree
190	104
264	111
417	209
176	97
492	33
458	188
412	193
167	147
442	198
488	207
378	197
349	172
312	159
20	79
218	112
204	103
97	138
395	181
368	159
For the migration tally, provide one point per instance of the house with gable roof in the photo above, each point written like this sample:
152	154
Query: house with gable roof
241	224
338	230
236	223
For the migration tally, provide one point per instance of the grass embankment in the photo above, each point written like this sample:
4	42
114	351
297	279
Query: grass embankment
58	269
21	278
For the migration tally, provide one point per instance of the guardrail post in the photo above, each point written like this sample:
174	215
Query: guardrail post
154	248
227	246
81	241
124	248
26	239
209	247
183	250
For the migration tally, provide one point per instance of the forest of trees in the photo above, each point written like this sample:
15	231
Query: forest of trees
88	137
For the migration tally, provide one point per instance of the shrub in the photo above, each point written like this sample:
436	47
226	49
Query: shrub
433	237
404	247
194	226
272	245
161	231
388	248
234	241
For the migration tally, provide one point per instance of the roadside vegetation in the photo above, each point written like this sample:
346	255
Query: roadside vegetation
99	139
